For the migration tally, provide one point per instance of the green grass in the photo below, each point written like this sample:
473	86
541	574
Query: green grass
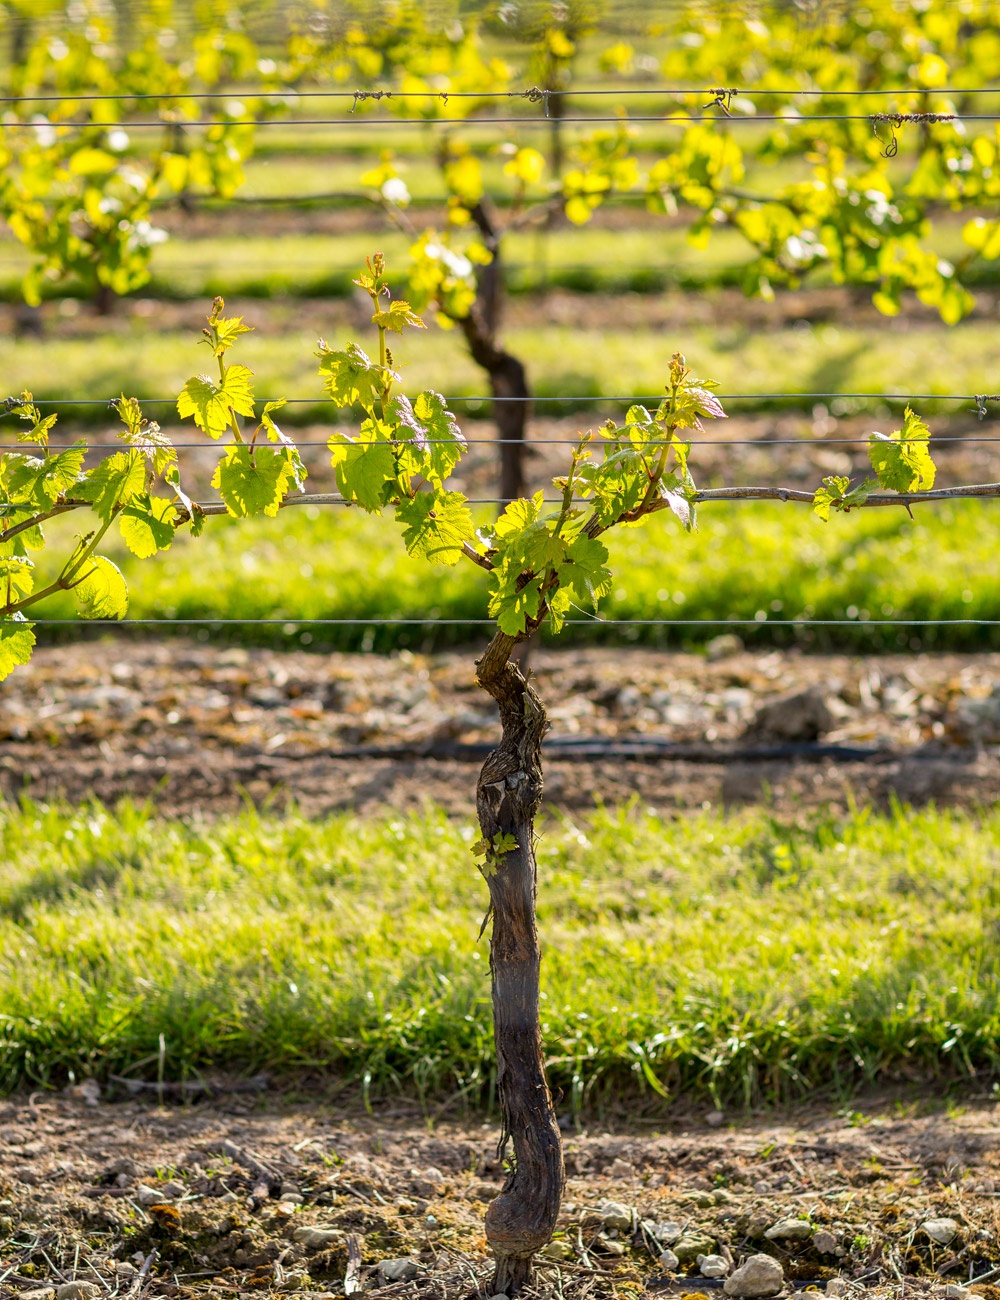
733	958
320	266
749	561
579	366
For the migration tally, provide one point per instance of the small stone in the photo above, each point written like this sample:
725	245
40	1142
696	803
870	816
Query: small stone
759	1276
715	1119
293	1198
170	1191
317	1238
713	1266
616	1248
721	1197
147	1195
294	1282
667	1232
836	1286
78	1291
941	1231
825	1243
558	1250
484	1191
501	1296
615	1215
289	1189
6	1225
620	1169
797	715
722	647
669	1261
39	1293
398	1270
693	1244
955	1292
762	1187
790	1230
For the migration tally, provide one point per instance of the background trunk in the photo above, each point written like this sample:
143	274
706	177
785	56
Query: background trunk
521	1219
508	380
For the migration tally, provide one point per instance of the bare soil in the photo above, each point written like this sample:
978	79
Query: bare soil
212	1197
200	728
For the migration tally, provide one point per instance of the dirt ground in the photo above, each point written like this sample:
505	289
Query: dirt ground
242	1194
201	728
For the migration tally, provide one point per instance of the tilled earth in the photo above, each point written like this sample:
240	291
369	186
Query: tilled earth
132	1198
196	727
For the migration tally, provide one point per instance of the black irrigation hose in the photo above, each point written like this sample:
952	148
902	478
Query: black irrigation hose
643	749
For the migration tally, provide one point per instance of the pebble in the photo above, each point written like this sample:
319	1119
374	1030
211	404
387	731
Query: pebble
558	1250
715	1119
612	1247
620	1169
6	1225
170	1191
836	1286
294	1282
825	1243
955	1292
759	1276
667	1232
721	647
317	1238
691	1245
615	1215
147	1195
790	1230
669	1261
39	1293
941	1231
78	1291
398	1270
713	1266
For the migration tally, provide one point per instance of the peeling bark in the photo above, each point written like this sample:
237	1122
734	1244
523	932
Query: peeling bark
520	1221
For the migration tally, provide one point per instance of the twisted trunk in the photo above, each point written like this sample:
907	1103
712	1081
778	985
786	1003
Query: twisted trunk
521	1219
507	376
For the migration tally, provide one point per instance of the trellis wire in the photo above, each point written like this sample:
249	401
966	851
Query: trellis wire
591	119
760	443
588	397
491	622
533	93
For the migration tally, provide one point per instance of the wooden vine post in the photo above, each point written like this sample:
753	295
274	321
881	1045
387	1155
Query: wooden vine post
541	563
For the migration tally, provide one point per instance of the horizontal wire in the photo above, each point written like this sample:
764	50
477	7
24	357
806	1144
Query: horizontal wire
760	443
581	397
616	119
533	94
490	622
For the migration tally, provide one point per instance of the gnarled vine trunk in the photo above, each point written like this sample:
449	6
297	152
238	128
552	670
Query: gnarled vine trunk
521	1219
507	375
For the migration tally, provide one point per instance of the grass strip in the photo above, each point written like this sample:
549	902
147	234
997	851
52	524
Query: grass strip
752	561
732	958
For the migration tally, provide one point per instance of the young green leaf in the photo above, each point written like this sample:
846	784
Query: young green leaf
147	525
903	460
364	464
17	640
115	482
209	403
253	481
17	578
101	593
42	480
829	495
350	376
398	316
433	430
436	525
144	435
